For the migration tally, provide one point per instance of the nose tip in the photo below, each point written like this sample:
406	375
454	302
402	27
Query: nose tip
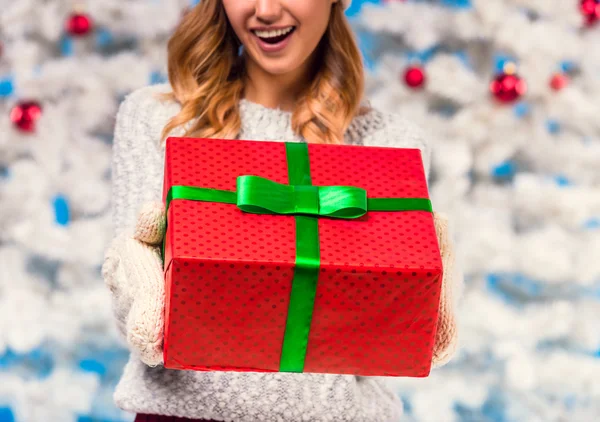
267	10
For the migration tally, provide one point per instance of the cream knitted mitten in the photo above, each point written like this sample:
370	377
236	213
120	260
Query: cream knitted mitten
133	272
446	340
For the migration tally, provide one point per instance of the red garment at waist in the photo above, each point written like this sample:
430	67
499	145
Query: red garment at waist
159	418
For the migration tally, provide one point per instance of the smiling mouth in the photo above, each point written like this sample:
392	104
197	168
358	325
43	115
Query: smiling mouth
274	36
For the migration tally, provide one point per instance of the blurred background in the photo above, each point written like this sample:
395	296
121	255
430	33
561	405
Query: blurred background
509	91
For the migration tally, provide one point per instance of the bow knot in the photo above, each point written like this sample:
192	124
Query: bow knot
258	195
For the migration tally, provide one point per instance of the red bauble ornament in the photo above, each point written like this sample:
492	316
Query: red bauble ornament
414	76
25	114
590	9
508	87
559	81
79	24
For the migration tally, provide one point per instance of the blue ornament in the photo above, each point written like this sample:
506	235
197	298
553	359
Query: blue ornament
92	365
6	414
500	61
356	5
94	419
562	180
494	286
156	77
494	407
592	224
61	210
457	4
367	42
568	66
505	170
6	86
552	126
522	109
38	362
103	37
66	45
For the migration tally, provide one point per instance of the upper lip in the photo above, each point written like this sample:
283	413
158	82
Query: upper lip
269	28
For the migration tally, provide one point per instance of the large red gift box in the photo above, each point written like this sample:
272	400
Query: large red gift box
270	266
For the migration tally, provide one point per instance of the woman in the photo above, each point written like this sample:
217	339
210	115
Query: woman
284	70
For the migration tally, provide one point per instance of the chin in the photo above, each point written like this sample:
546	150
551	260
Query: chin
277	68
281	65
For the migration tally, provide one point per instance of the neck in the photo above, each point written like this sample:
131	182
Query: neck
279	91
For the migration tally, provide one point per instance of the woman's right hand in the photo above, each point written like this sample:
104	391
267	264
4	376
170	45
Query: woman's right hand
133	271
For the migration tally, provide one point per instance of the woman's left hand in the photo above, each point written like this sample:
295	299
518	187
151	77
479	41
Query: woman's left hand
446	339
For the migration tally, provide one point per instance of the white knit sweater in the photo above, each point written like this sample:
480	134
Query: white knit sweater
229	396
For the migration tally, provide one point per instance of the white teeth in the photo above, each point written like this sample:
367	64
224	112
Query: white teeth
272	34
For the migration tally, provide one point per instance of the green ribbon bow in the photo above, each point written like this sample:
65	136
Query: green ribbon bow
262	196
306	203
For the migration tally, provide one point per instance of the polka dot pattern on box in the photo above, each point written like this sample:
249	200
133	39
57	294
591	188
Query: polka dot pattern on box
228	314
377	293
381	321
383	172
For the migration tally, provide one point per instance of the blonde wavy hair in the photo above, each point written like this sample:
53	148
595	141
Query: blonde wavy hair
206	73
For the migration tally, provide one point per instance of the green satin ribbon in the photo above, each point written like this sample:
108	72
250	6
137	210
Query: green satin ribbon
306	203
263	196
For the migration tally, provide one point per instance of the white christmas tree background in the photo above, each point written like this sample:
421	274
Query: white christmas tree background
519	181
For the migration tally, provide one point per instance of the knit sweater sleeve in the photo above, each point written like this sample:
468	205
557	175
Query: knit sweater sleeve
136	157
137	165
